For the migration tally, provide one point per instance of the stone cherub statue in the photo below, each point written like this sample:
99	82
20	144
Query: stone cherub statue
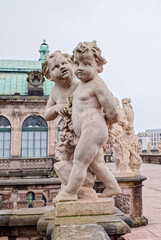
93	108
149	147
159	147
140	148
121	153
131	140
128	112
58	67
124	143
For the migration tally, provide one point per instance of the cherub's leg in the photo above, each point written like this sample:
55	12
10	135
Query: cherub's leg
84	154
99	168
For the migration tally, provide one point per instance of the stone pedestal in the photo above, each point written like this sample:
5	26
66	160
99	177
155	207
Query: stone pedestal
84	207
75	216
130	202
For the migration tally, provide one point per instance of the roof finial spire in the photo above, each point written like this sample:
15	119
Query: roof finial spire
44	49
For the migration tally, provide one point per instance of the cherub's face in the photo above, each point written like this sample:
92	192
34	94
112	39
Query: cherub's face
60	69
85	66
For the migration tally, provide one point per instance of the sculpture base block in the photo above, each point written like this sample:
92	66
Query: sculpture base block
84	207
123	174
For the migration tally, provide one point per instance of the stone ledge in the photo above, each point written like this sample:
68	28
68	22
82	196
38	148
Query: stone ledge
11	182
78	220
77	232
23	217
84	207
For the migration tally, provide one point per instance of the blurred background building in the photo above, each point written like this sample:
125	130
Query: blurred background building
27	141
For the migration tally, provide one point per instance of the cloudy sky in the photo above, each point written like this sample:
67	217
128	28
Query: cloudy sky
127	31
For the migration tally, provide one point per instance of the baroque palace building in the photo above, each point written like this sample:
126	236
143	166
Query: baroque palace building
27	141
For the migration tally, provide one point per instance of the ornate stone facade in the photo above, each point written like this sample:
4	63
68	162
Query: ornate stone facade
24	93
16	109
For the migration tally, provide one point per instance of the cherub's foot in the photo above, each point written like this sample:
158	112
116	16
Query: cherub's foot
64	196
110	192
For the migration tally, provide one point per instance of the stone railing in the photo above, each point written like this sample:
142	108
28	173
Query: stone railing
151	158
4	164
25	164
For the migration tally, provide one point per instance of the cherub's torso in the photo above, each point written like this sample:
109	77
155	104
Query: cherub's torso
60	94
86	110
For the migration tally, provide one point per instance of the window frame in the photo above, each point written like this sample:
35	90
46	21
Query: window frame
35	129
4	130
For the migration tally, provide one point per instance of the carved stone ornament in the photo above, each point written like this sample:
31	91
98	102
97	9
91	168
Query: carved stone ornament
123	203
35	81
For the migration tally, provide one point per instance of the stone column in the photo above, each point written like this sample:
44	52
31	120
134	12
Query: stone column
22	203
16	134
52	137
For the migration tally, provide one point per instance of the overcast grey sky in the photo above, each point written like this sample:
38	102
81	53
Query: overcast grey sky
127	31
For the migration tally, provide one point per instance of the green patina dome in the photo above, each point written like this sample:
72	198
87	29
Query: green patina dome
13	74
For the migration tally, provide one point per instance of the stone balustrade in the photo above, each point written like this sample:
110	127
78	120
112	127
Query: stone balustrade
25	164
151	158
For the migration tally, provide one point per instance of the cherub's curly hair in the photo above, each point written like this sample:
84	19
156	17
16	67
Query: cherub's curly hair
45	68
86	46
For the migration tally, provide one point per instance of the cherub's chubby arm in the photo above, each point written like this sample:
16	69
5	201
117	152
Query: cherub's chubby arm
108	102
52	109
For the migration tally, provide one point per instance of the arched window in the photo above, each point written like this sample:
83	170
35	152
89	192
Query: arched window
5	137
30	198
1	199
59	131
34	137
44	199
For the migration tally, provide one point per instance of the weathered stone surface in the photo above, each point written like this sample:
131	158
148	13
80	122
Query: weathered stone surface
32	211
50	228
23	217
85	207
5	217
43	223
26	220
139	221
78	232
117	228
77	220
123	217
